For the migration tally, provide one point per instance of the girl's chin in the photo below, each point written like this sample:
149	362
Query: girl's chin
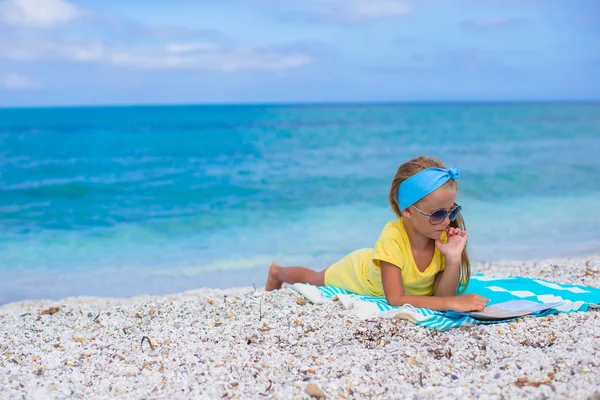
436	234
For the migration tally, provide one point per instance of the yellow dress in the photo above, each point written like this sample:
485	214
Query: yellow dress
359	271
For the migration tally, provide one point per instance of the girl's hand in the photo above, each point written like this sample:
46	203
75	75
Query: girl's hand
454	246
469	302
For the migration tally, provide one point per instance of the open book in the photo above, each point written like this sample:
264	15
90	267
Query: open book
504	310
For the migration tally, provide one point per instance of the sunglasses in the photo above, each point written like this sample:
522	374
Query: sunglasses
439	216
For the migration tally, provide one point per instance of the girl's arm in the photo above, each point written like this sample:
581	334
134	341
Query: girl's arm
446	282
391	277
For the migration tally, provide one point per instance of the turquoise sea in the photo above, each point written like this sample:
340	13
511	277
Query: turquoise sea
122	201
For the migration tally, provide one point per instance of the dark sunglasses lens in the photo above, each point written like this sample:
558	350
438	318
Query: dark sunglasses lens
438	217
455	213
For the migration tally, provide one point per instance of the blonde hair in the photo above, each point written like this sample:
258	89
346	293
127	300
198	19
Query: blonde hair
409	169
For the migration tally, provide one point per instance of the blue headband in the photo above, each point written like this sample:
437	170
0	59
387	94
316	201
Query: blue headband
421	184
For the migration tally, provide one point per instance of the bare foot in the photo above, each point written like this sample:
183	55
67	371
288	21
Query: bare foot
272	281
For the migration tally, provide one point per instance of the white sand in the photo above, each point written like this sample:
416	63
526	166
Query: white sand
240	344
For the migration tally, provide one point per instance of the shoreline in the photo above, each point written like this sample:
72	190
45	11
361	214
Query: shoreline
241	343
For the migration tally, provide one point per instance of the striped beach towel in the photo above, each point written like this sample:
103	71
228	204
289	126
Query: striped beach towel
552	297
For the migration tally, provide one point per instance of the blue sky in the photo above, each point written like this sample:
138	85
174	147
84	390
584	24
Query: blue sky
58	52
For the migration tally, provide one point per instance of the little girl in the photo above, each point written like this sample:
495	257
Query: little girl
419	259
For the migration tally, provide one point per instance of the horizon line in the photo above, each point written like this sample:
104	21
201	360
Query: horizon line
310	103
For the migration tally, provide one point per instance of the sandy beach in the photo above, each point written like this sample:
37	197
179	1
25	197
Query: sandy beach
246	343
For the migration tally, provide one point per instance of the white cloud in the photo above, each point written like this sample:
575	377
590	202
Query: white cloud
452	57
491	23
200	56
190	47
216	59
30	45
366	10
19	82
469	60
33	47
341	11
37	13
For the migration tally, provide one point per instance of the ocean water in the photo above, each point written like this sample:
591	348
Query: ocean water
122	201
